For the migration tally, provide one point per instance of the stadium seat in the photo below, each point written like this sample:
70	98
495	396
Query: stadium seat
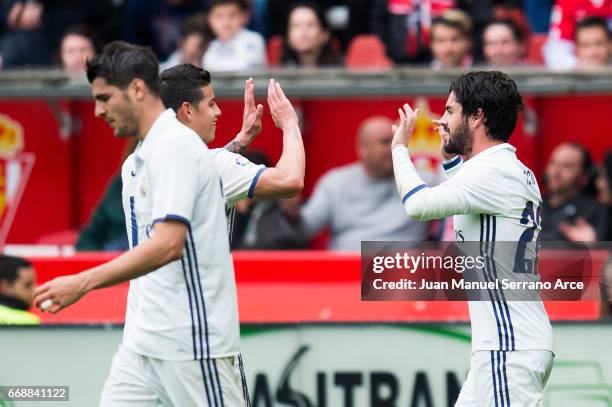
63	237
534	48
367	51
274	50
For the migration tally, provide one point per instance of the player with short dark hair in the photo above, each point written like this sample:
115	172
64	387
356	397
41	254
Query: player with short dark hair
181	336
493	198
186	89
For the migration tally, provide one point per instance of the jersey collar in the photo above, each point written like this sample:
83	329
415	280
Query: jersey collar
145	147
491	150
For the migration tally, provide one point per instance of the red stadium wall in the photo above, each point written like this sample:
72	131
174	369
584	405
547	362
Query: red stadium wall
75	163
293	287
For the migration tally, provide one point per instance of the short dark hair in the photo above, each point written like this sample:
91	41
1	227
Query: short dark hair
242	4
517	33
493	92
183	83
120	63
9	267
592	22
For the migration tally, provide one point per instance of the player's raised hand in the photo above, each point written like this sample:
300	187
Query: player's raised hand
59	293
403	131
251	118
281	109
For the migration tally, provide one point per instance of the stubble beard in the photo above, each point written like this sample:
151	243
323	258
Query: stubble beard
460	142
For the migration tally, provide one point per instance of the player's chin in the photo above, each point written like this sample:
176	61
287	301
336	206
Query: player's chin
210	137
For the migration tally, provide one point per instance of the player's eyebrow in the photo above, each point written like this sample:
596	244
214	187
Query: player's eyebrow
103	97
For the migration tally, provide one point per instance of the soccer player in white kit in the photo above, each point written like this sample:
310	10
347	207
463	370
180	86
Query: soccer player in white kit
492	197
187	89
181	336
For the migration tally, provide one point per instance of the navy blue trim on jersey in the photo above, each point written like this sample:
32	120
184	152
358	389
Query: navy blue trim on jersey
500	381
230	215
492	293
191	245
193	333
493	377
134	222
499	295
214	361
503	296
452	163
171	217
412	192
205	382
254	182
245	389
506	380
195	300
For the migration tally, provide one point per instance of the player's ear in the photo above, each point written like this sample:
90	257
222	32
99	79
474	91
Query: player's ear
184	112
478	117
137	89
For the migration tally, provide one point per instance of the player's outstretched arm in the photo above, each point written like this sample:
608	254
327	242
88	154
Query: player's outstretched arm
251	121
286	179
166	245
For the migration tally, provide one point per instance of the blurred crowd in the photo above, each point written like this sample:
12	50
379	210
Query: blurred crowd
235	35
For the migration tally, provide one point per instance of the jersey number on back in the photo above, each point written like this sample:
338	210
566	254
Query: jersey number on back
528	265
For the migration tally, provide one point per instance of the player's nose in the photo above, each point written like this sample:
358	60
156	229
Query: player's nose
99	110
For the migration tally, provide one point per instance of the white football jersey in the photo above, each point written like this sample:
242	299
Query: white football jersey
186	309
494	198
238	178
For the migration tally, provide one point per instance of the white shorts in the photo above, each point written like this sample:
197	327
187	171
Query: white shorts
504	379
142	381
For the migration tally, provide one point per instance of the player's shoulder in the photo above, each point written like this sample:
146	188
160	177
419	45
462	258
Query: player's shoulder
178	139
227	159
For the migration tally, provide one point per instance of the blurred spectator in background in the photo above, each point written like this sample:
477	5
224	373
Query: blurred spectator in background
593	43
559	48
194	38
76	47
570	212
307	41
106	228
451	40
34	27
235	48
17	280
504	44
157	23
358	201
604	190
404	26
263	224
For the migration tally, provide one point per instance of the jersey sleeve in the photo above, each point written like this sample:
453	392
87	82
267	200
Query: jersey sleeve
450	167
472	190
239	176
176	177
